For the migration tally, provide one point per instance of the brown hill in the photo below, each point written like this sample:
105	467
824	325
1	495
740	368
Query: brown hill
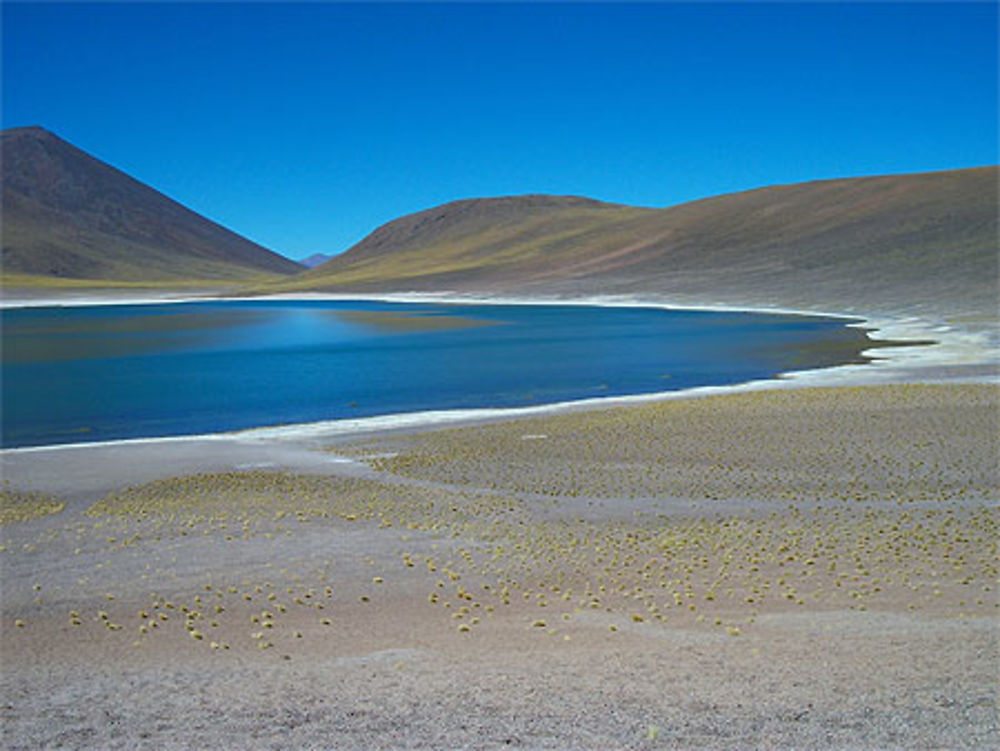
923	243
67	215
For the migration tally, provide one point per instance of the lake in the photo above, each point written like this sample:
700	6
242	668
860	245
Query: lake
96	373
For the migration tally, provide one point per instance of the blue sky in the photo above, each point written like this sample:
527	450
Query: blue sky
305	126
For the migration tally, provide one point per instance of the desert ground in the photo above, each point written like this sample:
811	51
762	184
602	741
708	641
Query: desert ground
806	567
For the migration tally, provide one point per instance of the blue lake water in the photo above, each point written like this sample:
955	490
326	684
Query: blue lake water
127	371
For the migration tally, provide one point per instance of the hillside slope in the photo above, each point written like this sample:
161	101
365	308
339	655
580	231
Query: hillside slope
921	243
67	215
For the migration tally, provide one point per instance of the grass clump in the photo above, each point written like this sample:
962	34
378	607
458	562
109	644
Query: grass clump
21	506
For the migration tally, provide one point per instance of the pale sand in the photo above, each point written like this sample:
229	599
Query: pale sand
809	568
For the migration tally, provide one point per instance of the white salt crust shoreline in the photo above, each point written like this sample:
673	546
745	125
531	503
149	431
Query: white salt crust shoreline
952	349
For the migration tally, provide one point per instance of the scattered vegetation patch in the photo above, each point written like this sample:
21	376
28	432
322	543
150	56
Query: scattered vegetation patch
896	443
21	506
344	551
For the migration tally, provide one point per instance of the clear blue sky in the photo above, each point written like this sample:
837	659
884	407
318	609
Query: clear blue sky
305	126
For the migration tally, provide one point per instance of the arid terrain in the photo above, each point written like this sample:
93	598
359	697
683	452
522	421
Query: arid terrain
71	221
919	244
809	562
806	567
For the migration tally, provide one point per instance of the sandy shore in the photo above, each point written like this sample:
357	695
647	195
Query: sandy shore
806	567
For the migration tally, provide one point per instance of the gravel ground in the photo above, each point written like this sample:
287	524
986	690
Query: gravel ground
338	597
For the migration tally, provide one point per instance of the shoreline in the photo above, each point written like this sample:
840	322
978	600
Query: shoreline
730	560
432	419
716	569
950	349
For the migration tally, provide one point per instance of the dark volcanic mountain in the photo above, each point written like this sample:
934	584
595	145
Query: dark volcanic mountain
68	215
920	243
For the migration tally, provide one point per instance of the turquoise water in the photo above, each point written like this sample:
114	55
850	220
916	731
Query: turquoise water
110	372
